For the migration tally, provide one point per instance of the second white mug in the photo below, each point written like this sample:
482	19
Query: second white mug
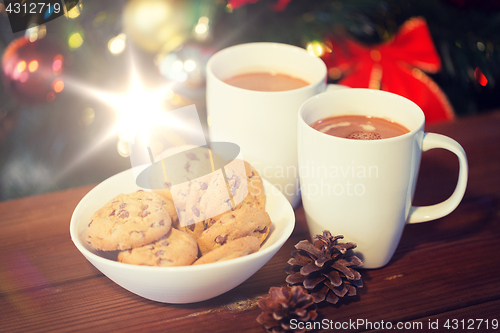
363	189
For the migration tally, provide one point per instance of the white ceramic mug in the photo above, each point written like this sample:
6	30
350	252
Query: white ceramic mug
262	123
364	189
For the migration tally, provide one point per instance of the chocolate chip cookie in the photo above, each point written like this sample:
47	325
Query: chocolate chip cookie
174	249
245	184
129	220
238	248
256	195
245	221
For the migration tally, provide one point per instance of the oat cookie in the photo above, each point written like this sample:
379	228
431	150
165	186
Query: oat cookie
129	220
238	248
245	221
174	249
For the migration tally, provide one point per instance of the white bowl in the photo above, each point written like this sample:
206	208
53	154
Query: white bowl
183	284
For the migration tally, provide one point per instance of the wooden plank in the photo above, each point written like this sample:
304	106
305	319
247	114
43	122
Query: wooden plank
443	269
483	317
430	284
35	242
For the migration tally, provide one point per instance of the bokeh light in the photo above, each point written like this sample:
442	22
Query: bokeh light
57	64
479	76
201	29
177	66
33	66
116	45
315	48
189	65
156	25
202	26
75	40
74	12
21	66
147	22
34	33
58	85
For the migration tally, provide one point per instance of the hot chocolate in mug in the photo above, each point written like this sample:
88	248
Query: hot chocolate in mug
363	189
263	123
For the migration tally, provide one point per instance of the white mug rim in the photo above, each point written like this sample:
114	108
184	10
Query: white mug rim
412	132
214	57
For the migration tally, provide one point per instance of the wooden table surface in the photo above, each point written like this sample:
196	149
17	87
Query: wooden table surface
445	271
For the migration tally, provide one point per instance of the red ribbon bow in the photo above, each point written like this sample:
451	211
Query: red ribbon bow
397	66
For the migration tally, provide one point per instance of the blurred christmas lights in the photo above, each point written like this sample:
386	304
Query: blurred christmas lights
58	85
155	25
74	12
28	69
33	66
57	64
189	65
202	29
117	44
36	32
315	48
75	40
480	78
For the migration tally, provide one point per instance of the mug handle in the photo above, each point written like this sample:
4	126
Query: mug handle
427	213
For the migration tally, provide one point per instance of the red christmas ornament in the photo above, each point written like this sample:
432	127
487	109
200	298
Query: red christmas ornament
396	66
32	70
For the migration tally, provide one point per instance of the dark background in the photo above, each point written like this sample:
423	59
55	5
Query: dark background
47	146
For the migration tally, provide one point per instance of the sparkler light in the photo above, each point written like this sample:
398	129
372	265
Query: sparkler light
168	150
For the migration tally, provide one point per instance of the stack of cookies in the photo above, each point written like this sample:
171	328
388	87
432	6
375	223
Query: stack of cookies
145	229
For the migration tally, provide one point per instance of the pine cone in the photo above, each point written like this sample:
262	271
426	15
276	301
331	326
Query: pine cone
323	269
286	304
